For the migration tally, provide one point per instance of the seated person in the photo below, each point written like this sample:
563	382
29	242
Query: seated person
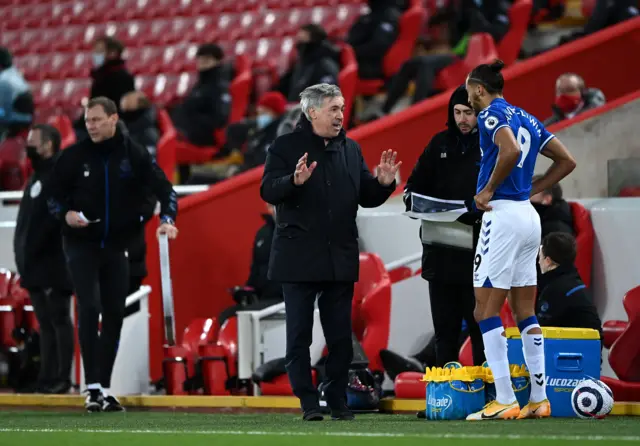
110	77
573	98
16	101
253	136
605	13
373	34
259	292
555	212
140	117
207	106
317	62
449	34
563	299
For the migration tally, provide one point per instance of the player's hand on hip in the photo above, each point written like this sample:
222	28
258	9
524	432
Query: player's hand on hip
482	200
74	220
303	172
166	228
387	169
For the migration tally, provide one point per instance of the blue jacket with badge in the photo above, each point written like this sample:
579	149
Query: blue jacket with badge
110	182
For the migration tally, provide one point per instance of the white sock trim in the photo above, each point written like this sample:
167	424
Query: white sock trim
94	386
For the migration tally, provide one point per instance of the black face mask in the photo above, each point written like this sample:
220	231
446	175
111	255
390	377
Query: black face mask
33	155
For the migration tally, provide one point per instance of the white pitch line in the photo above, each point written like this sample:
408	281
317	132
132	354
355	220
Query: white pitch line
334	434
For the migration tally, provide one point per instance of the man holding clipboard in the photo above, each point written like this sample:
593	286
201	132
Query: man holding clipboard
444	177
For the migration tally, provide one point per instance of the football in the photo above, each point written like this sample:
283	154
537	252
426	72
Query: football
592	399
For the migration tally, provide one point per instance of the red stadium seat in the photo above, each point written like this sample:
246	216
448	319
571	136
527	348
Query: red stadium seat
409	385
519	15
584	241
348	80
65	127
624	355
632	191
410	26
611	331
481	50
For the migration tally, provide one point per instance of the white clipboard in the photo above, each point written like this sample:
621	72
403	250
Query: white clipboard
167	291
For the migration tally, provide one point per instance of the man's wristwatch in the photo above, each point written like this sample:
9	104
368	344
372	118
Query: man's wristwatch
167	220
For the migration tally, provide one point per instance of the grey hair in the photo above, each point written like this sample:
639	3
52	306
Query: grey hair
314	96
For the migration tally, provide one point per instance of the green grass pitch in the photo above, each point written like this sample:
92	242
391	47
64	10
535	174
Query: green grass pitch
63	428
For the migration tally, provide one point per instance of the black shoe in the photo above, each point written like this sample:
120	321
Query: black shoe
94	400
59	388
421	414
312	415
394	364
342	414
111	404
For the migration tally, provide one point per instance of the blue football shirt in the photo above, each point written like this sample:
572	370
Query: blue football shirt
531	136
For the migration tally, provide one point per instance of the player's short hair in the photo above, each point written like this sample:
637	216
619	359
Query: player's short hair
107	105
560	247
49	133
555	191
489	76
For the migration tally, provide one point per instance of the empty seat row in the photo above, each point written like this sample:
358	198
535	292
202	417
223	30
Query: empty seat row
49	14
149	60
166	32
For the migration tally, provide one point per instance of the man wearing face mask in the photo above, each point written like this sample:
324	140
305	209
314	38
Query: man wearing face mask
207	106
448	169
373	34
563	299
573	98
40	261
98	189
317	62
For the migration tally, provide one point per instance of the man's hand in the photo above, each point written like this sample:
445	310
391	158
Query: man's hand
74	220
169	229
302	173
388	168
482	200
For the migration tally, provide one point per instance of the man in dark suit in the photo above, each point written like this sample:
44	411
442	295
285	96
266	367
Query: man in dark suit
316	177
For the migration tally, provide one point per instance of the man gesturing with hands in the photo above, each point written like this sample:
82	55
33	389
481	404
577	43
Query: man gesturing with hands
316	177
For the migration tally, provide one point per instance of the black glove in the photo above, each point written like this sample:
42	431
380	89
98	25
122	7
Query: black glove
244	295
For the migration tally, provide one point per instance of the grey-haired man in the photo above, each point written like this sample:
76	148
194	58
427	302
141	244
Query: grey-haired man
316	177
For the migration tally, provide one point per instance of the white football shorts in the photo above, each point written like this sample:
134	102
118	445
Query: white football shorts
507	250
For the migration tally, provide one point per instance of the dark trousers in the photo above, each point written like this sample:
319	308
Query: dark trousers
334	303
421	69
100	278
53	311
450	304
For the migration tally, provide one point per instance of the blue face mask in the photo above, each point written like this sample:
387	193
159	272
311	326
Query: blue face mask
263	120
98	59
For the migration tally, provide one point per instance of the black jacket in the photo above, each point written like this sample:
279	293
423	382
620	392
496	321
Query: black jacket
373	34
258	277
112	80
37	242
565	301
108	181
316	237
556	217
447	169
205	108
318	64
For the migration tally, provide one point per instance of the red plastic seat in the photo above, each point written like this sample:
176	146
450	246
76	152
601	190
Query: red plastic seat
584	240
409	385
410	26
228	340
348	79
587	7
65	127
632	191
611	331
519	16
624	355
481	50
281	386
